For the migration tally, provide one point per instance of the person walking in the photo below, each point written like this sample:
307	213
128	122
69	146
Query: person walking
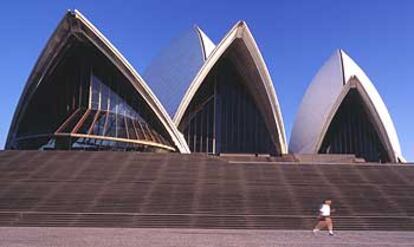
324	218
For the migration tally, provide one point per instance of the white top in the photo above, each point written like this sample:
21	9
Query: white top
325	210
324	96
172	71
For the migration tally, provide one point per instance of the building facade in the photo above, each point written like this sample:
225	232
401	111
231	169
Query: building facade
83	94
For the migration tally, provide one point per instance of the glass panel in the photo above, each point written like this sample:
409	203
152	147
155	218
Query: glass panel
98	127
71	122
131	129
110	129
105	96
87	122
95	86
147	132
83	79
140	131
120	123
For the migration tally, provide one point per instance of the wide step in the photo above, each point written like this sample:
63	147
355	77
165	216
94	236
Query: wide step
123	189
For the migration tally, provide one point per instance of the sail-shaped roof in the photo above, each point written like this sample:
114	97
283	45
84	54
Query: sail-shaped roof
245	53
324	97
171	72
74	26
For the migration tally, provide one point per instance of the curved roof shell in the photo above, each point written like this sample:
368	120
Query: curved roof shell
171	72
74	23
323	98
264	93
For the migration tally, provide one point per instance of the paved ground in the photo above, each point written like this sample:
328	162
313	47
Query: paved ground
121	237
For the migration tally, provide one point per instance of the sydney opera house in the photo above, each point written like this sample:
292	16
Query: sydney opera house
197	141
195	97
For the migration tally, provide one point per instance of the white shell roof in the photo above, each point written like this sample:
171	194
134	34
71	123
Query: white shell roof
324	96
75	22
242	32
172	71
206	43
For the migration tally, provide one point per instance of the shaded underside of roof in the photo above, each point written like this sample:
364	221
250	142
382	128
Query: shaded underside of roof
323	97
249	60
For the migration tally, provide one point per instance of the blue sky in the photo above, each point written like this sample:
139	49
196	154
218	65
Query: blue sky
294	36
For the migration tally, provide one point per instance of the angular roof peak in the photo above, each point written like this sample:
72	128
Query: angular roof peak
207	45
176	65
74	24
240	31
241	23
323	97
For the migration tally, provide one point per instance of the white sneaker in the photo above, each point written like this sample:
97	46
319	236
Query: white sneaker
331	234
314	231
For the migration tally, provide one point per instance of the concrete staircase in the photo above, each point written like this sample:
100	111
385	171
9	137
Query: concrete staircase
126	189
